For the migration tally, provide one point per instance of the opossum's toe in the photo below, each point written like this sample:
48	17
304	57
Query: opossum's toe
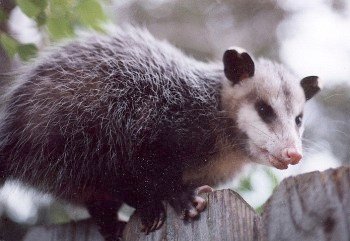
189	213
200	203
192	213
204	189
195	206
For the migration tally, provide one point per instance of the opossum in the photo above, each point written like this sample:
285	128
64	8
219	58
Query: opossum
126	118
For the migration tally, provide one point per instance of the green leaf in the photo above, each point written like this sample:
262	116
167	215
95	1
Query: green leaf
3	15
273	177
245	184
42	4
61	3
28	7
57	213
90	13
32	8
27	51
259	209
59	27
41	19
9	44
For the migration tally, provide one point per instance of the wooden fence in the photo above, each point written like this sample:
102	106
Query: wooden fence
312	206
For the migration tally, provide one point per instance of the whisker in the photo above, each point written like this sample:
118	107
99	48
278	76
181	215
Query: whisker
261	131
333	95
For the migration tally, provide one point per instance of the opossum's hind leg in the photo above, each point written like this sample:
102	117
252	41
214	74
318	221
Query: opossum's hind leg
104	214
189	204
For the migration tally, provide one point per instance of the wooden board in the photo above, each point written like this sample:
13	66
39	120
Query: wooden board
228	217
84	230
309	207
312	206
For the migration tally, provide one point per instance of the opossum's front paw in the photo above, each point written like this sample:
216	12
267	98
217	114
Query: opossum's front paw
152	216
189	204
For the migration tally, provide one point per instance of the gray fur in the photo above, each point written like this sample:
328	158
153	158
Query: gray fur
124	89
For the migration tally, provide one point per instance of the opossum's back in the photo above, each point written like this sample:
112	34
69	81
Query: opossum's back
84	104
99	100
96	82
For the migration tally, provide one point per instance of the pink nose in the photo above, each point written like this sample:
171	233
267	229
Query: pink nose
291	155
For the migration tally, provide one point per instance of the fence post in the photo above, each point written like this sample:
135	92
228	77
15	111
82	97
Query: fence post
310	207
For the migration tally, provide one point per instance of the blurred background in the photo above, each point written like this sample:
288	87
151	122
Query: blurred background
309	37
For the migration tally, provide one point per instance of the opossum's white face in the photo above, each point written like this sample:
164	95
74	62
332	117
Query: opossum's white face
267	103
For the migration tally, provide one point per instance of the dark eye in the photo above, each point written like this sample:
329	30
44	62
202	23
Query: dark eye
265	111
298	120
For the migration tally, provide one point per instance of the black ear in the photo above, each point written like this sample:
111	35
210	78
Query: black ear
311	86
238	65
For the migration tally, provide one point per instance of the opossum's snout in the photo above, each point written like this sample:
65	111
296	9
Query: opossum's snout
279	157
291	155
288	156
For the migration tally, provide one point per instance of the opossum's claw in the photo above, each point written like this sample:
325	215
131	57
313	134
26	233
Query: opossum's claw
152	217
158	222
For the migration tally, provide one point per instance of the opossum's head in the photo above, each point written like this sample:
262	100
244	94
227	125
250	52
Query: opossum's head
266	101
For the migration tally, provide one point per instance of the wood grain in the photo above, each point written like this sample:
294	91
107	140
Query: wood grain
312	206
309	207
227	217
84	230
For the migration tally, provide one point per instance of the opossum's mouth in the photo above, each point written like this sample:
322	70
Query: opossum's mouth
273	160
